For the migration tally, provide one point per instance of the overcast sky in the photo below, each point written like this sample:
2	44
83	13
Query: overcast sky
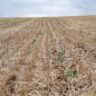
22	8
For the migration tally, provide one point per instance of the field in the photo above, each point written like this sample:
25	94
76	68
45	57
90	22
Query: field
53	56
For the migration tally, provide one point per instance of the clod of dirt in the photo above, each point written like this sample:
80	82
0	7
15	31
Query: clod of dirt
10	79
10	83
62	77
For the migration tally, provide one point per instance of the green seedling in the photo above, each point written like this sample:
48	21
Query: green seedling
61	55
72	74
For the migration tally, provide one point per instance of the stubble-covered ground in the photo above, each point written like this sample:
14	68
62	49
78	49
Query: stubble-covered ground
48	56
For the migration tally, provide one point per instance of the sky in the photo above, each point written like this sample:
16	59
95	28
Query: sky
41	8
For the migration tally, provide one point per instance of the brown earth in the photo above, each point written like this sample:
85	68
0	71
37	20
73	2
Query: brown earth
48	56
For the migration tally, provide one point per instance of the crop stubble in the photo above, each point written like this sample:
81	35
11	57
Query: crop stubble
48	56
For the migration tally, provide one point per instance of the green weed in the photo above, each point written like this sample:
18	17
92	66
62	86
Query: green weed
61	55
72	74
